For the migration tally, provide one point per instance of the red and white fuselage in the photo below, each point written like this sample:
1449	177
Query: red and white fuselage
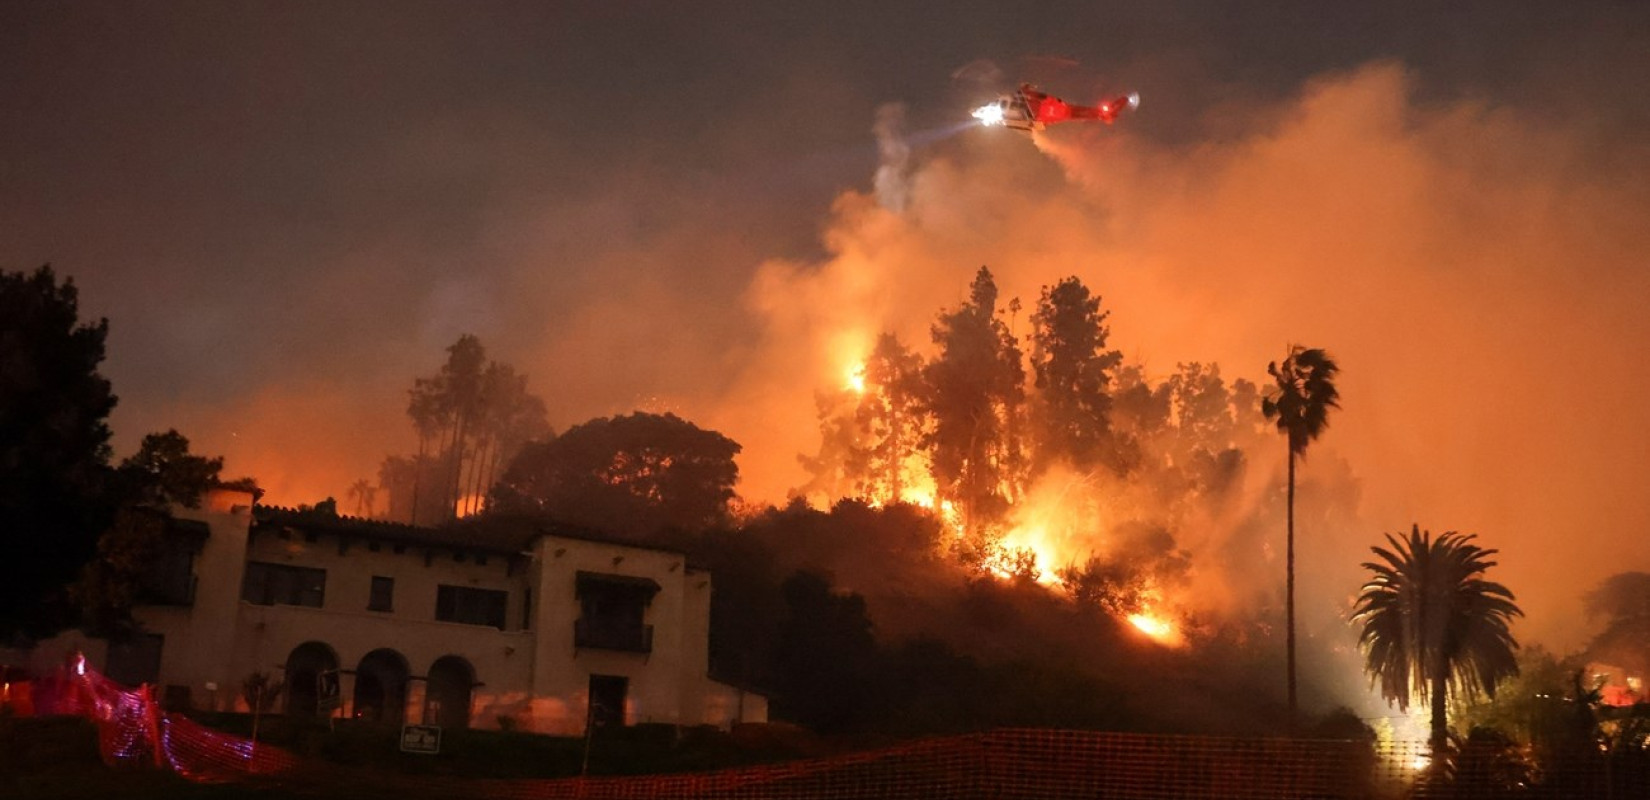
1030	110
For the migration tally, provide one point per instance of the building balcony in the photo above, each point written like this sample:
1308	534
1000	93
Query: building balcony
628	638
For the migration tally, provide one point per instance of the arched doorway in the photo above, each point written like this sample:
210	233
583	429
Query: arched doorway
306	667
381	687
447	695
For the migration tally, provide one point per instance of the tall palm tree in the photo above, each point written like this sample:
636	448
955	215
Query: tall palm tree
363	493
1431	624
1300	402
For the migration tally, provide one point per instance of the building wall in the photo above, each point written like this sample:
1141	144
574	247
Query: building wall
657	680
197	637
418	571
531	673
501	659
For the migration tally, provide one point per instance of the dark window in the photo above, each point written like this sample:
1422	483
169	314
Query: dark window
283	584
471	606
383	594
611	612
169	578
527	608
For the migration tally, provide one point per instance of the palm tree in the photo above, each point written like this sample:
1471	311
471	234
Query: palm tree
1432	625
1300	403
364	494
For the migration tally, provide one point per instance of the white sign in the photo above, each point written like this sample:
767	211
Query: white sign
420	739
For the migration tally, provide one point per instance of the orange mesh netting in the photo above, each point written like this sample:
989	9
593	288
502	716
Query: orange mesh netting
134	731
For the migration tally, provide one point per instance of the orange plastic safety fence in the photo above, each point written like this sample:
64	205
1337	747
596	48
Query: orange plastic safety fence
1007	764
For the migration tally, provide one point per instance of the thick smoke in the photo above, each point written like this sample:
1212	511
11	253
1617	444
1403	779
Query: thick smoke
1476	269
1472	268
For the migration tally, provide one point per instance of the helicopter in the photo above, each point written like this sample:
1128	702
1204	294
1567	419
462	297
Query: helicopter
1028	109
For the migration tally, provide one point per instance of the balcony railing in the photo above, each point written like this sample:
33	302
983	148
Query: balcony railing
628	638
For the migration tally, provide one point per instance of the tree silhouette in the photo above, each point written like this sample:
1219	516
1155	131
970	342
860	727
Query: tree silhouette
364	494
1073	376
871	430
1300	400
54	441
890	417
827	657
132	551
1432	626
1141	419
163	471
976	390
1622	603
641	473
476	414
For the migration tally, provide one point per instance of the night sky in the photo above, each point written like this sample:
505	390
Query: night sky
287	210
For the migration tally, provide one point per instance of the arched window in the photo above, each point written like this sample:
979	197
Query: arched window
381	687
311	674
447	695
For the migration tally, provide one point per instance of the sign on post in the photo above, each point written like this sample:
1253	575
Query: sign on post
421	739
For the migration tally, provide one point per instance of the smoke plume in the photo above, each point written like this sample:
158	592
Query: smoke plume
1473	268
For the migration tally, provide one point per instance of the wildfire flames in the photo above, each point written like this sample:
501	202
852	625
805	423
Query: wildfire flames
1055	531
1159	629
855	379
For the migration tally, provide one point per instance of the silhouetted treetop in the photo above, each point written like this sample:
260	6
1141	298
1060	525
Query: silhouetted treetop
639	473
471	418
1073	376
1431	626
976	394
54	438
163	471
1303	393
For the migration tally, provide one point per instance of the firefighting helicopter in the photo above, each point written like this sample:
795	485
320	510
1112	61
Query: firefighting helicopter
1028	109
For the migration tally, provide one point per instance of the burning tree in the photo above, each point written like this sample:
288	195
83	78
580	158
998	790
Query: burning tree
976	396
1072	419
1622	603
1114	468
871	431
890	415
471	417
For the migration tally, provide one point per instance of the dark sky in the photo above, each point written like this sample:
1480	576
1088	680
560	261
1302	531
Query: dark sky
286	210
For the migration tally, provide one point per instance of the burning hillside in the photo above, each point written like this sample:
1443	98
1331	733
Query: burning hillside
1079	473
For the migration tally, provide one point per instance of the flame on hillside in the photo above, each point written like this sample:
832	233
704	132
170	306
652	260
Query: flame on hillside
1160	629
1054	531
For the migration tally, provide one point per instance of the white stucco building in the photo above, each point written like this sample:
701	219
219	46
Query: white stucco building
472	625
